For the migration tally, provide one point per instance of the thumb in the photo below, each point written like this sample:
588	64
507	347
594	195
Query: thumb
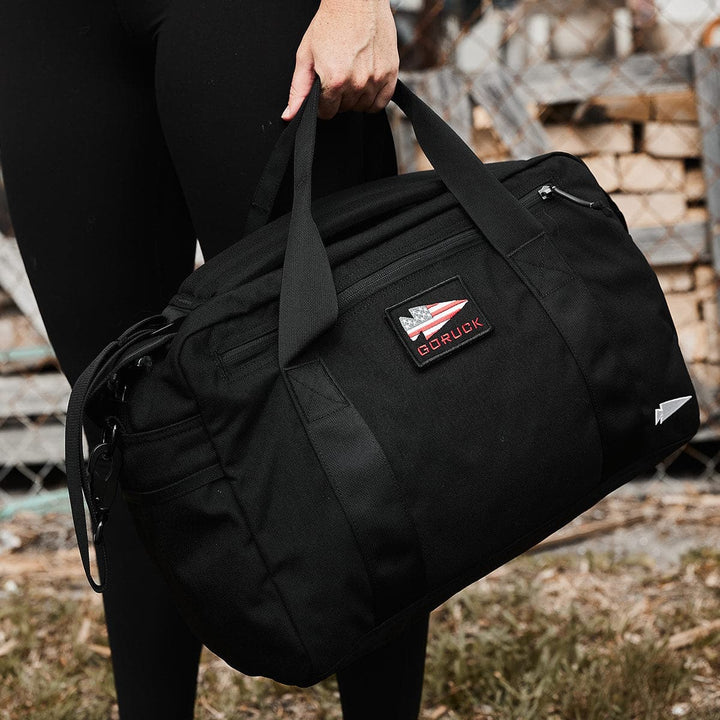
300	85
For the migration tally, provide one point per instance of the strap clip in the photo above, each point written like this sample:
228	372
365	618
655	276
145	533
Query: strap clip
103	469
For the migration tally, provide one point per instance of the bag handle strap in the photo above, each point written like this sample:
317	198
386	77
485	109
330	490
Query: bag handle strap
308	299
268	186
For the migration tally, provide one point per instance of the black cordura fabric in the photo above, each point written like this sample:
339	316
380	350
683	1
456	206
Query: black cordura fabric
468	461
128	129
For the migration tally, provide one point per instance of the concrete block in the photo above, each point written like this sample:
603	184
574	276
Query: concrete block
711	318
706	379
641	173
696	215
693	341
672	140
605	170
606	138
706	281
685	309
675	278
663	208
695	184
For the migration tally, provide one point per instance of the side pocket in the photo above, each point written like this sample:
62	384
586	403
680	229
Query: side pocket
194	529
155	461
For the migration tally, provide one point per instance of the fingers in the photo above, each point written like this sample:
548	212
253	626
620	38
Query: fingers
331	97
351	94
384	96
300	85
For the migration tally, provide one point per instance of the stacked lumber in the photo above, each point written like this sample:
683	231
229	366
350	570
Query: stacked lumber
645	151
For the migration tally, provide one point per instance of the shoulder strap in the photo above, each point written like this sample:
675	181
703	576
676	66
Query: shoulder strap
82	480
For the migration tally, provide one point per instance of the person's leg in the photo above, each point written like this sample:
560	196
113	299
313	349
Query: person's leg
222	77
106	239
387	684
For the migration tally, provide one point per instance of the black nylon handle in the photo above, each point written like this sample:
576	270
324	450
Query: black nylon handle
308	300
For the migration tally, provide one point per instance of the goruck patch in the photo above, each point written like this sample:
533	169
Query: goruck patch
437	321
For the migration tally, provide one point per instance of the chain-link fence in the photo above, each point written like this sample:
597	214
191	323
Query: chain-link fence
631	86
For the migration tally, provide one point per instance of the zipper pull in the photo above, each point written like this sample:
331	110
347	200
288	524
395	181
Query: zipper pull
547	191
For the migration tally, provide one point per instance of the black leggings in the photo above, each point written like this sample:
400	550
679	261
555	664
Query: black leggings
128	129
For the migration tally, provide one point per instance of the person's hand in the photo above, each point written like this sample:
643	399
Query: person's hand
352	46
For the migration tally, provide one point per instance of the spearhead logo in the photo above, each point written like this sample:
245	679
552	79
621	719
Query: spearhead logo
668	408
428	319
431	326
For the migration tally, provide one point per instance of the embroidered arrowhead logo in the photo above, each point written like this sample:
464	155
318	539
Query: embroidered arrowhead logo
428	319
445	325
668	408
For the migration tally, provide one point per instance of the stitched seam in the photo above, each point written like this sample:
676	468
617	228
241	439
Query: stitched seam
525	244
333	411
178	428
318	392
175	489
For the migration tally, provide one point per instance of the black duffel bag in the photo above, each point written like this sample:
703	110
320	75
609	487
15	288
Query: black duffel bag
318	449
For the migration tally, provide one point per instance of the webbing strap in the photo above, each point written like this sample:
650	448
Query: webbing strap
308	300
364	485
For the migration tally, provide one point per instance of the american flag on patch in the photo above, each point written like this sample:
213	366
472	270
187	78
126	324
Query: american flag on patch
428	319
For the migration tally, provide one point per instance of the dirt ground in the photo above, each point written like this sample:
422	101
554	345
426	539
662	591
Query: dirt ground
649	554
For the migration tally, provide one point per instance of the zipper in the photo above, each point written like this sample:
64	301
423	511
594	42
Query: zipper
404	266
250	349
547	192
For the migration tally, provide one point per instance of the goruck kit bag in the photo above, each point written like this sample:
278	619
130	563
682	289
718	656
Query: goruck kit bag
363	406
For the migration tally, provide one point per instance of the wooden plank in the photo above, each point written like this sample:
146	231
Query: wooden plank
14	281
707	94
39	394
501	97
564	81
676	245
35	445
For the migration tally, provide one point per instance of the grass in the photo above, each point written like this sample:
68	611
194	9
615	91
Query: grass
547	637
